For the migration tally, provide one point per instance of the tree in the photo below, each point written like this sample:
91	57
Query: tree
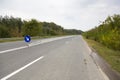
32	28
4	32
107	33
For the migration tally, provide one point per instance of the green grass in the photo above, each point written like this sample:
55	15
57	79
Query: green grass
10	40
111	56
21	38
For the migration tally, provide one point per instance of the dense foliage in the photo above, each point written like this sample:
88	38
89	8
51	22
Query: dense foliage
107	33
15	27
72	31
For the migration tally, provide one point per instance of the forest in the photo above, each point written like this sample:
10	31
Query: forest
16	27
107	33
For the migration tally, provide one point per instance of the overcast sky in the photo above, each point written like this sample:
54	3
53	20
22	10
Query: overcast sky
77	14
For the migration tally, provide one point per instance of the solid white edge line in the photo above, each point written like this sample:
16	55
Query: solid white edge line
15	72
103	74
101	71
33	44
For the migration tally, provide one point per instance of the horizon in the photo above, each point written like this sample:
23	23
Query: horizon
73	14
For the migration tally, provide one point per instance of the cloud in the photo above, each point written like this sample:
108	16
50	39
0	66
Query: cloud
79	14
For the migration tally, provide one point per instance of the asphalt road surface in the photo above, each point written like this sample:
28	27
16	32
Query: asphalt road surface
62	58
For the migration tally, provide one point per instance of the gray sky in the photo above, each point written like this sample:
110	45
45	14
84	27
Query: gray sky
77	14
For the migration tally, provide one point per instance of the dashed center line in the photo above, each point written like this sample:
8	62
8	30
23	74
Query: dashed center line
15	72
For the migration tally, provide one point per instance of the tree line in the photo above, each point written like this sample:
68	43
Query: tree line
16	27
107	33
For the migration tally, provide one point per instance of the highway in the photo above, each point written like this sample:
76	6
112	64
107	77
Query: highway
62	58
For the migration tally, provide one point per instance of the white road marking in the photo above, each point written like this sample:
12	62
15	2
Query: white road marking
22	68
34	43
66	42
104	75
87	46
12	49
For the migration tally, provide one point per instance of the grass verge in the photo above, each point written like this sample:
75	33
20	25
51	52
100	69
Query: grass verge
111	56
10	40
22	38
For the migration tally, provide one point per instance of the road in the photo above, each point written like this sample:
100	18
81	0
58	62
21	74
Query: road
63	58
